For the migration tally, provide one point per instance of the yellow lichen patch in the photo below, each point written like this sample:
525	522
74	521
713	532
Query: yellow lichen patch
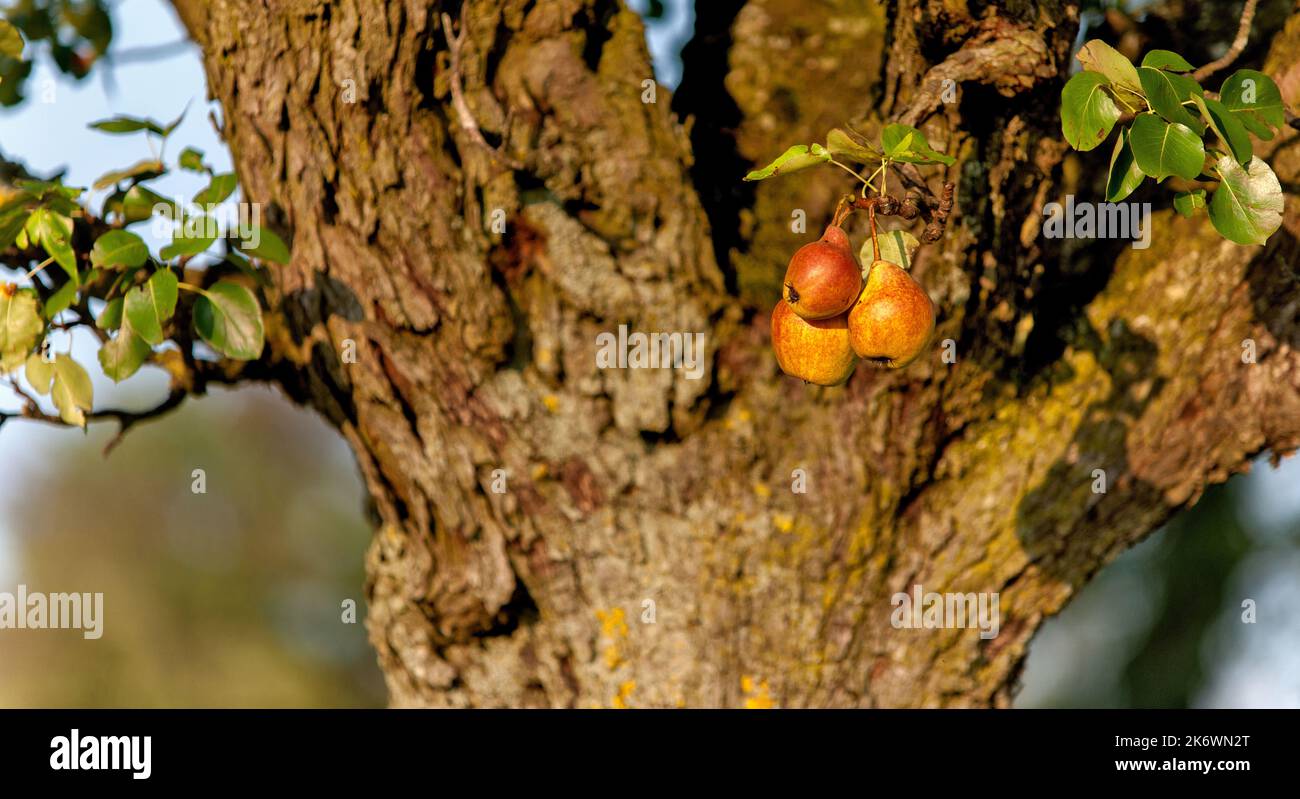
551	402
802	539
783	521
741	416
829	594
757	694
613	657
762	490
624	693
613	626
539	471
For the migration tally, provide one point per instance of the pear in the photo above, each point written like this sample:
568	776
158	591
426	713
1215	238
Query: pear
893	318
823	278
814	350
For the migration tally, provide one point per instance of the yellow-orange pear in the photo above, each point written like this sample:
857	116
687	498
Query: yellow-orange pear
814	350
893	318
823	278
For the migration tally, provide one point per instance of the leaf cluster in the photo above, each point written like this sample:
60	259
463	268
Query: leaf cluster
1175	128
95	271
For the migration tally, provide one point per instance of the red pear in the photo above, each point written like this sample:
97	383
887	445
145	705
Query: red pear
823	278
814	350
893	318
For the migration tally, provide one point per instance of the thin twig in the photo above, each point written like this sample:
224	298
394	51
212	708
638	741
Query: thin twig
150	52
125	419
128	419
455	41
1238	44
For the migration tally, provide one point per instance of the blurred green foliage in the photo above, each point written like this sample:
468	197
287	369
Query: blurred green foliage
75	33
228	598
1163	626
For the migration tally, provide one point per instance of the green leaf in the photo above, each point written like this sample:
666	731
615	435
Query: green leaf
896	246
60	300
11	225
192	160
1247	206
229	319
11	41
58	204
20	327
175	123
906	143
1166	59
72	391
1124	176
54	231
142	170
148	307
40	373
1100	58
40	188
270	247
1164	148
1166	93
1187	202
119	248
61	251
15	202
1087	112
219	188
800	156
138	204
1229	129
124	354
852	146
125	124
186	246
111	317
1254	98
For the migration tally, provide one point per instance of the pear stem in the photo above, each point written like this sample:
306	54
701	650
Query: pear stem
875	242
842	211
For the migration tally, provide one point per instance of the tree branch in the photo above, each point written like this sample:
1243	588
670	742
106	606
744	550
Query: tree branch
124	418
1009	57
455	43
1238	44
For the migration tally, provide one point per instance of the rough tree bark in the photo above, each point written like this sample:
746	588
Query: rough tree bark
475	351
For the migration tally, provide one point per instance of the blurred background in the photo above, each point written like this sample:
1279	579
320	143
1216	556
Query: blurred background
236	597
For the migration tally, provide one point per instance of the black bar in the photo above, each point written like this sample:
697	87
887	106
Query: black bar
871	748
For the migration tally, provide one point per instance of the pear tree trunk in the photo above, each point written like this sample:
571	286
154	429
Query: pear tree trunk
471	204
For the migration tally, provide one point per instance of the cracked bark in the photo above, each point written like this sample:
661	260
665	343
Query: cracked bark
475	350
